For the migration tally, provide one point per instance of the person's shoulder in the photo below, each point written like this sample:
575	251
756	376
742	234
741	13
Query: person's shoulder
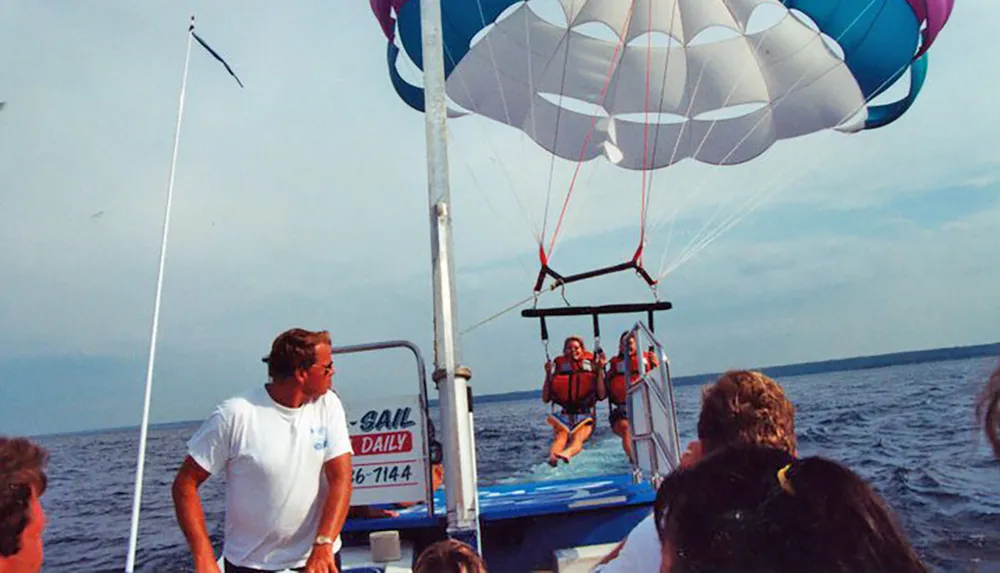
648	524
331	398
330	407
641	549
244	402
644	533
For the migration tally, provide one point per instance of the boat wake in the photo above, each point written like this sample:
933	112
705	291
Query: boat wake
601	456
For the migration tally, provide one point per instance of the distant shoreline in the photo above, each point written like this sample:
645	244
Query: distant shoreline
783	371
804	368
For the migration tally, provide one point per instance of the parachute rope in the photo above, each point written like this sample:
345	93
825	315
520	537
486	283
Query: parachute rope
497	315
710	235
500	89
531	106
645	126
699	242
493	60
765	192
656	136
534	296
656	141
489	204
673	155
555	137
837	83
532	227
593	122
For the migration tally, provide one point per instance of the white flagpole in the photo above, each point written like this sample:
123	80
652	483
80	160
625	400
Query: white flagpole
137	499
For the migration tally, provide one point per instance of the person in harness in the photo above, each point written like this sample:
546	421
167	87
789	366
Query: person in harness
618	388
574	382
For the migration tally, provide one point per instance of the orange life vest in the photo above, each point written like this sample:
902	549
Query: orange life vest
617	389
574	384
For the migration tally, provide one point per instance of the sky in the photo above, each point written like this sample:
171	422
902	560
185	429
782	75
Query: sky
301	200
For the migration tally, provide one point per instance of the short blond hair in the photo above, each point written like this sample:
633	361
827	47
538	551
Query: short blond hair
744	407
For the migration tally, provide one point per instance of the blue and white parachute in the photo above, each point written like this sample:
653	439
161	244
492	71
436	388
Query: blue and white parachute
611	77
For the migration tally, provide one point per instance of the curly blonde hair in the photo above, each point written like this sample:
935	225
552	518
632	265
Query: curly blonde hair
988	409
746	408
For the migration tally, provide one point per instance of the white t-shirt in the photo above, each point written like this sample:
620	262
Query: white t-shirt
640	553
273	460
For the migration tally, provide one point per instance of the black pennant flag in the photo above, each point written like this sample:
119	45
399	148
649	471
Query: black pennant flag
214	53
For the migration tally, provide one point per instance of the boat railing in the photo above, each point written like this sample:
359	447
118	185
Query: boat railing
426	424
652	414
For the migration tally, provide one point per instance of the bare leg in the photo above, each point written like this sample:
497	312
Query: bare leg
559	438
622	429
581	435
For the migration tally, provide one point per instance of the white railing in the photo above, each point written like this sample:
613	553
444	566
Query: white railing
652	414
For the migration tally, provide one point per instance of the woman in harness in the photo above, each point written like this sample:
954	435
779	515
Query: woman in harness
574	383
618	389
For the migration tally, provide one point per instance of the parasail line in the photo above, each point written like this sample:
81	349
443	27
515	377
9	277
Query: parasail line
514	306
749	205
496	74
795	86
486	199
555	138
756	49
740	215
495	153
531	84
659	107
645	125
593	122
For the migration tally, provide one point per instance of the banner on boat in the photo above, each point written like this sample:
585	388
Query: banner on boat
387	436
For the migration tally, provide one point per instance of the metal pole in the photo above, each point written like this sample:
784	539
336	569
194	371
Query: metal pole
456	423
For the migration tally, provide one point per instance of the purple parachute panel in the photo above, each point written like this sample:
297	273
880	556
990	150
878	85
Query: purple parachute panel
383	12
935	13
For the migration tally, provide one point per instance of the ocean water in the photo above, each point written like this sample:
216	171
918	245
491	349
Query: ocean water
909	430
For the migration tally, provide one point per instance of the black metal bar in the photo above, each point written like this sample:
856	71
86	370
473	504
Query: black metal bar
601	309
649	280
560	280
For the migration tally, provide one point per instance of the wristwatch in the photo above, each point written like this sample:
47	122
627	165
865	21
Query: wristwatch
323	540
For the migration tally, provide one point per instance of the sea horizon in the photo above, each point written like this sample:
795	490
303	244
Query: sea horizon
864	362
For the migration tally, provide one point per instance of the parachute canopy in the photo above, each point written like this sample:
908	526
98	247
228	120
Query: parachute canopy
647	83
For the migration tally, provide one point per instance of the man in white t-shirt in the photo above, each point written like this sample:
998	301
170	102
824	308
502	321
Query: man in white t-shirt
741	407
285	451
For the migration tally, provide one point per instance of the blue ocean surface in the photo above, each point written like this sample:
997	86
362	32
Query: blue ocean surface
909	430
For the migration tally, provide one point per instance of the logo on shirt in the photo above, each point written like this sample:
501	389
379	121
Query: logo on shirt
320	440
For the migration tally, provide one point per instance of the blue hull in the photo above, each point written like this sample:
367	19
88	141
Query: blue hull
523	524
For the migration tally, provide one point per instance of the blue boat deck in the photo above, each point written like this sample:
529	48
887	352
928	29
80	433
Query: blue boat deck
523	524
519	500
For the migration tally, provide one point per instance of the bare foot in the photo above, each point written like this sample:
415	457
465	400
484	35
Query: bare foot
562	457
553	461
